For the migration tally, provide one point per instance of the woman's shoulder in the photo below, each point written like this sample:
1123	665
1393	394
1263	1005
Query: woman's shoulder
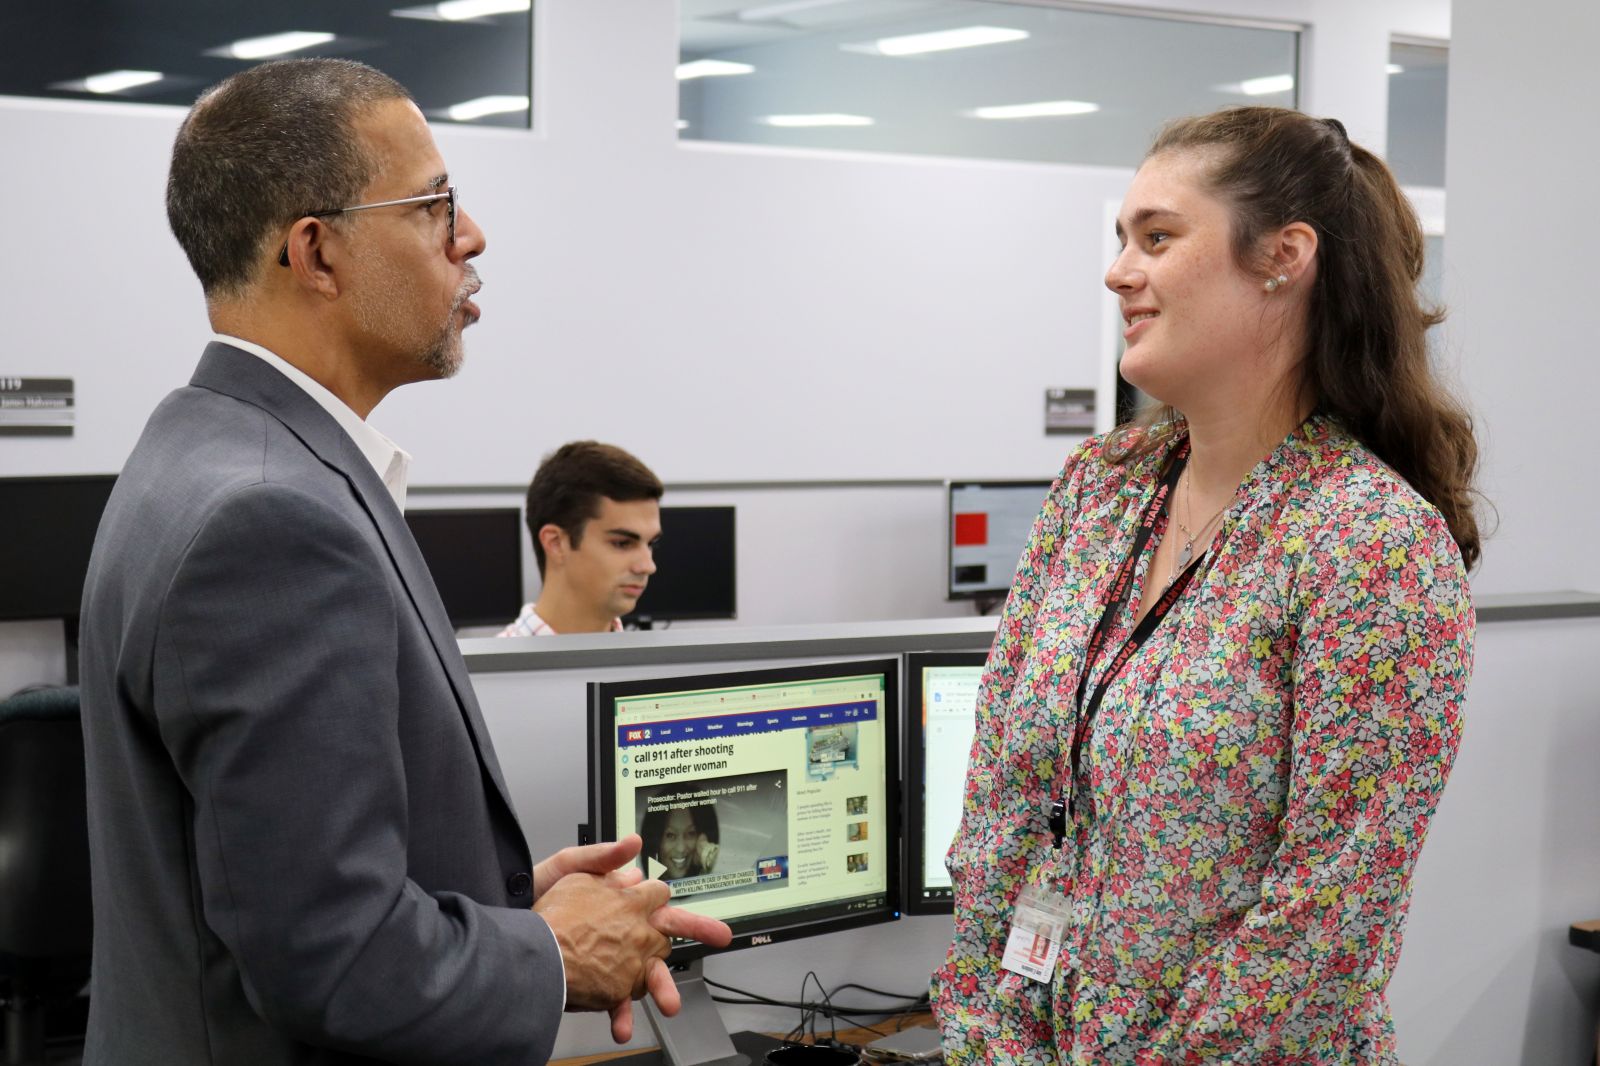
1348	496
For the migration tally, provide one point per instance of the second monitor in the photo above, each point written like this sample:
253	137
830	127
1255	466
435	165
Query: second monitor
941	719
696	568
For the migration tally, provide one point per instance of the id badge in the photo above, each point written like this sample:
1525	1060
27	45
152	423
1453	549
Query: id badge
1038	924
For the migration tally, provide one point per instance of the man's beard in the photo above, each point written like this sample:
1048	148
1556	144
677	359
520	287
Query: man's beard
443	357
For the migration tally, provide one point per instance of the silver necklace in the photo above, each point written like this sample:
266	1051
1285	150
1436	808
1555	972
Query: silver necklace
1186	552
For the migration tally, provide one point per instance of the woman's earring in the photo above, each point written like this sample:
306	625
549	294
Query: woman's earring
1273	283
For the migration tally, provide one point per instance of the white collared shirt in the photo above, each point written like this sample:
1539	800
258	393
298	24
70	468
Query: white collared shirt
391	462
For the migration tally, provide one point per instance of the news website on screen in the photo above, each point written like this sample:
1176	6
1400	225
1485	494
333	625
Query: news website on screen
757	801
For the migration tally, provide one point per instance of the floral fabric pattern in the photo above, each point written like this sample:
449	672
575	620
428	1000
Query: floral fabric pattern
1262	772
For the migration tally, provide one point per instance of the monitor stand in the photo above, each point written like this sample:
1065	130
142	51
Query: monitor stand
696	1036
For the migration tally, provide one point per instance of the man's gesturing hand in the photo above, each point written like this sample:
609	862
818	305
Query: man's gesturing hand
613	928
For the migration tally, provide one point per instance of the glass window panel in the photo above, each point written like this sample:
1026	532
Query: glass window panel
55	49
1417	81
828	58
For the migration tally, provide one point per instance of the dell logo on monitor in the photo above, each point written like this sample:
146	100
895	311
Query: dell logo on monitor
760	938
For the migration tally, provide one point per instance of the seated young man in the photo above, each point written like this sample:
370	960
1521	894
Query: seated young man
594	512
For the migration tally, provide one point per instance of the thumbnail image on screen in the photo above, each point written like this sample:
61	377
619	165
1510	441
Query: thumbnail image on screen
763	797
989	526
942	701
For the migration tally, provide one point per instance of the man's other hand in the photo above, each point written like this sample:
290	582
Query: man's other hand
613	929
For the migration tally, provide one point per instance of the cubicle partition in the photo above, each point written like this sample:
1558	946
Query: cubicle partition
533	693
1503	874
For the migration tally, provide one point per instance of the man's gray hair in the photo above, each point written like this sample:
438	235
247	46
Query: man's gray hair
261	149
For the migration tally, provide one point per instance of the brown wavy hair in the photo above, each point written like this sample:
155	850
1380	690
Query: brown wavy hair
1366	362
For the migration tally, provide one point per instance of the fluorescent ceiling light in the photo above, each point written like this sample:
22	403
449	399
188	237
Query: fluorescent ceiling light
711	68
804	121
940	41
1043	109
1394	68
275	44
468	110
116	81
683	123
462	10
1275	83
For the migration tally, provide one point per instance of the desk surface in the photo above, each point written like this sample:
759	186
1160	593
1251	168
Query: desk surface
857	1035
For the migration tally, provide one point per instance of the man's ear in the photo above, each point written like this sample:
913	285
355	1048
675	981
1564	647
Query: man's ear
554	541
314	257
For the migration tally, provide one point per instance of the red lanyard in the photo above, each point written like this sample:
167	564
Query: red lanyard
1121	588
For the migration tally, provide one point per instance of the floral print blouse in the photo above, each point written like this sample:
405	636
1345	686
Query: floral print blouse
1262	772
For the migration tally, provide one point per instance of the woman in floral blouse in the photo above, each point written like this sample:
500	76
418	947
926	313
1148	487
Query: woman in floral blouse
1222	777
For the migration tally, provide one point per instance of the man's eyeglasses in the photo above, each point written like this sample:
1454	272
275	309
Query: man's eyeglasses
448	196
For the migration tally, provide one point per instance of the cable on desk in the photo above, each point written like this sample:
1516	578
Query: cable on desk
810	1009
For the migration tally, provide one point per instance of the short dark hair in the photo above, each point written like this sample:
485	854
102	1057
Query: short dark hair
261	149
567	487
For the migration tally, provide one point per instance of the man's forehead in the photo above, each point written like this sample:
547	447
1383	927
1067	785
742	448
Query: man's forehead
398	137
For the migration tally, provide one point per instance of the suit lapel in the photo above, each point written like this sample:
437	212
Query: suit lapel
239	374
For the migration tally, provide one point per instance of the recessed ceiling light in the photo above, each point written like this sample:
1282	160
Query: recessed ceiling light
1274	83
711	68
275	44
1394	68
462	10
468	110
1042	109
803	121
116	81
916	44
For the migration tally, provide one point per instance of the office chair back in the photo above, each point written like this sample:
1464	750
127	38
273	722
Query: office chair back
46	923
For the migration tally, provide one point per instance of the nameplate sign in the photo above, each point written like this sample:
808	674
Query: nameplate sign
36	407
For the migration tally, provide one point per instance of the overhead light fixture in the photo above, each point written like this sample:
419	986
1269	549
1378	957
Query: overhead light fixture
483	106
777	11
1394	68
1042	109
683	123
275	44
1273	83
462	10
711	68
916	44
807	121
116	81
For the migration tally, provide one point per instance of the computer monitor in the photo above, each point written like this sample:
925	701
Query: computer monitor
767	798
988	526
941	706
475	557
695	572
47	529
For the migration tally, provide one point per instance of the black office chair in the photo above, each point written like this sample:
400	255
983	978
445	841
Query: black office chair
45	919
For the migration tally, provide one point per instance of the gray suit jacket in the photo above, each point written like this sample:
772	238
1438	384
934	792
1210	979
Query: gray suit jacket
302	847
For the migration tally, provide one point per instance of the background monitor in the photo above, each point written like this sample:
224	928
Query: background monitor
695	571
47	528
988	525
768	798
941	708
475	556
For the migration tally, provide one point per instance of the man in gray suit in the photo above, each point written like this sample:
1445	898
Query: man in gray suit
303	849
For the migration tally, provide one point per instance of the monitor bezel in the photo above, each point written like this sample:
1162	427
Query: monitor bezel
950	487
912	897
68	616
602	783
467	621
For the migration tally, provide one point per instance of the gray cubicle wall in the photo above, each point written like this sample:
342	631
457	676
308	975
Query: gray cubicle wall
534	698
1486	978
